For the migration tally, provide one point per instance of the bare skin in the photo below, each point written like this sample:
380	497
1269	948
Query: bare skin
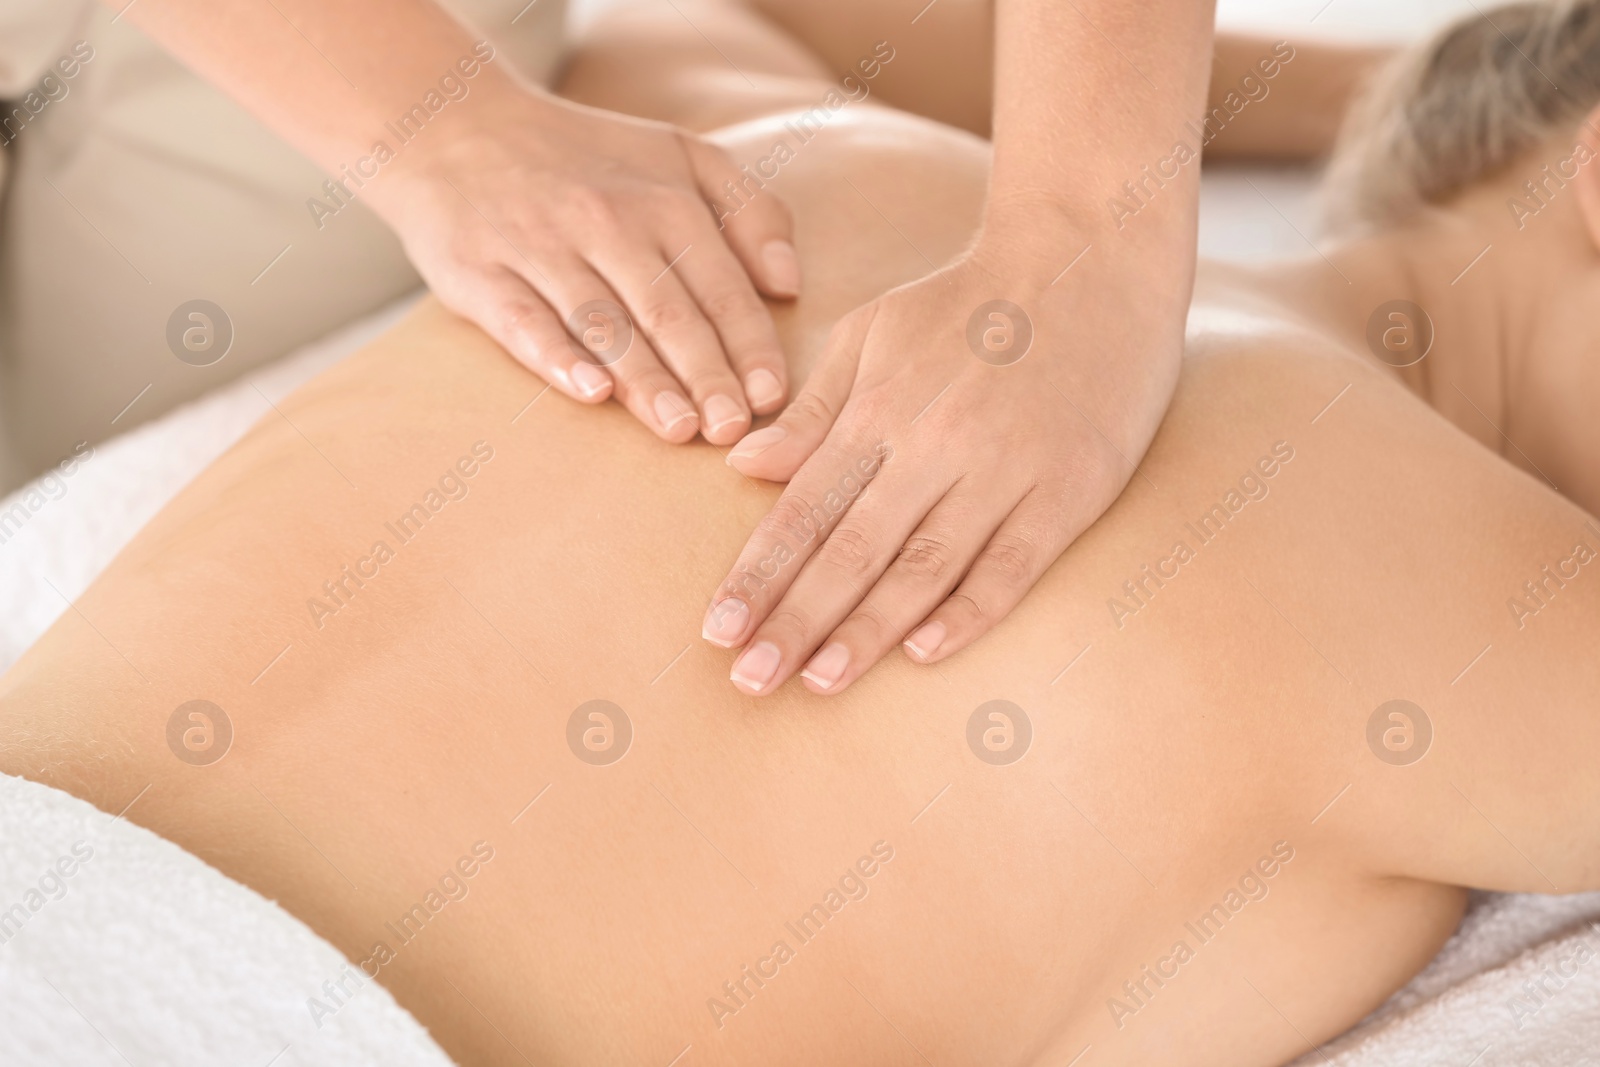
1175	747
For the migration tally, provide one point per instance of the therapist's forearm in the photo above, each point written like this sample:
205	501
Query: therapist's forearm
324	76
1087	93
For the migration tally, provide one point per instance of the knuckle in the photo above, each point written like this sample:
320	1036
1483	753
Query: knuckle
702	381
779	526
590	207
981	617
788	626
869	627
926	557
633	383
515	317
731	304
808	408
668	316
1009	559
874	407
752	588
849	549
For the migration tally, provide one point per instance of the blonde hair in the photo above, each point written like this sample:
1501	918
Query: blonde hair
1481	93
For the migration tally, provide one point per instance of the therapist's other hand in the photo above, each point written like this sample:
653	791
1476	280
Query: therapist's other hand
940	459
538	219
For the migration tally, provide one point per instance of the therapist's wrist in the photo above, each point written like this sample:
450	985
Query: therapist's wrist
1028	253
1163	195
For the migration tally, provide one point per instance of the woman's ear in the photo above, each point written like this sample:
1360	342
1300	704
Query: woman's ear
1588	183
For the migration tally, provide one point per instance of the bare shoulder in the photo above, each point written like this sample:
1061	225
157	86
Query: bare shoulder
1436	599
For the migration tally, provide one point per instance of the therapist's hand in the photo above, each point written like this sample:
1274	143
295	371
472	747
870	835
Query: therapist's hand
547	223
939	460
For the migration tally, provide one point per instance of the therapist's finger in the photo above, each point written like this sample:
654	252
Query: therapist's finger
832	583
756	224
787	536
776	452
923	573
605	337
677	327
721	287
518	318
791	525
1019	552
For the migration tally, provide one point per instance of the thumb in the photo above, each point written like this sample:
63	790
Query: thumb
776	451
754	221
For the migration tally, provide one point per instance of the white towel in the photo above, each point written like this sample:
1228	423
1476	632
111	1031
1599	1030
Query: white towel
1517	986
117	947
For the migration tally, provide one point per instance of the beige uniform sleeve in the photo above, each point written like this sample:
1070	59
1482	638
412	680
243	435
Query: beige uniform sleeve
134	189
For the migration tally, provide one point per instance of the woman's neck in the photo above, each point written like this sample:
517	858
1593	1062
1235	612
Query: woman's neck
1499	318
1351	291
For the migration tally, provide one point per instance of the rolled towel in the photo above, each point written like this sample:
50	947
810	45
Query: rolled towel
117	947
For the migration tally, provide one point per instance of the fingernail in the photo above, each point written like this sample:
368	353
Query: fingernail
827	666
725	622
762	387
754	669
672	409
588	379
722	410
756	443
926	641
783	267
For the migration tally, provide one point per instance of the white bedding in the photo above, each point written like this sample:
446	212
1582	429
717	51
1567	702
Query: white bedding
117	947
